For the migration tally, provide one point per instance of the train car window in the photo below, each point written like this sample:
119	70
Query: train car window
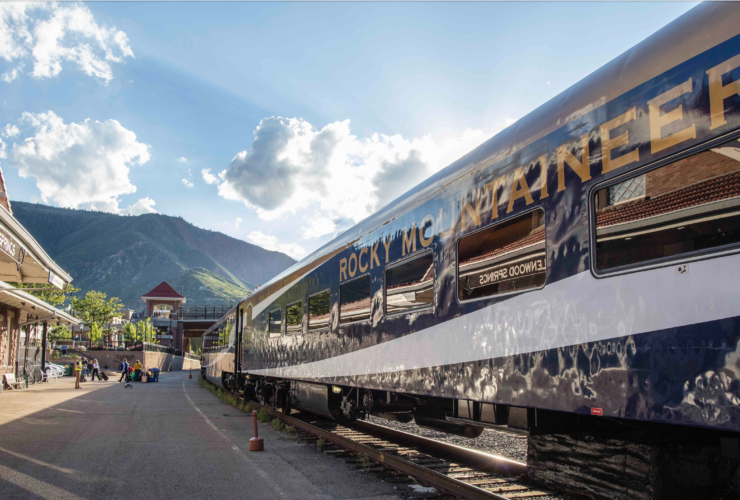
354	300
507	257
691	205
319	310
276	322
294	317
410	285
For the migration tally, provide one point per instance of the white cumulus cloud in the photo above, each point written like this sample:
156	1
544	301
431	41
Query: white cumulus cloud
80	163
269	242
50	35
10	130
11	75
317	227
291	166
208	176
187	183
182	159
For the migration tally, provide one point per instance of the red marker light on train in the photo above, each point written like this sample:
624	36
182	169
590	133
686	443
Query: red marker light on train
597	411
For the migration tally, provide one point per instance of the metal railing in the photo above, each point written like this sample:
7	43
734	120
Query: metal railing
133	346
201	312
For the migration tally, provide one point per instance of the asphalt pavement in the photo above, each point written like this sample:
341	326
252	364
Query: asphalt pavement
156	441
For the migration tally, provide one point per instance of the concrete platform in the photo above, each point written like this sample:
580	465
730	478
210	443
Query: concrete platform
167	440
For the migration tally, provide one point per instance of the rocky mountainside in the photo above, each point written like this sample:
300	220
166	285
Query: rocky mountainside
126	256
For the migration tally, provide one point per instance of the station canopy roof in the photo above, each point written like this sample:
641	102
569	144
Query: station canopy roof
22	260
33	308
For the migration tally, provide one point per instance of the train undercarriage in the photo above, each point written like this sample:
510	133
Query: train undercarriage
600	457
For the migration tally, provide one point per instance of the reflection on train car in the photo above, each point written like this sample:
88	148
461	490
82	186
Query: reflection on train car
319	309
507	257
410	285
294	318
691	205
354	300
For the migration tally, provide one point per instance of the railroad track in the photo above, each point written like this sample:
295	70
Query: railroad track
450	469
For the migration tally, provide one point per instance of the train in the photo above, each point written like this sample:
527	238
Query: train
580	269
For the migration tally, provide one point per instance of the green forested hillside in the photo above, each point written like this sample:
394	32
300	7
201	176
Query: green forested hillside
126	256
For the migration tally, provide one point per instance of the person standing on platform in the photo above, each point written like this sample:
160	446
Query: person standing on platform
78	372
137	371
95	370
124	371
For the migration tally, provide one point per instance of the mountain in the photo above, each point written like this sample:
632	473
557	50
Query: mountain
126	256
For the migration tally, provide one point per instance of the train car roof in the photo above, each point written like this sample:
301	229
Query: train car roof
698	30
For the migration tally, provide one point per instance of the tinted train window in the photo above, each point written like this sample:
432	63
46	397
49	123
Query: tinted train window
507	257
294	318
410	286
354	300
276	322
688	206
319	309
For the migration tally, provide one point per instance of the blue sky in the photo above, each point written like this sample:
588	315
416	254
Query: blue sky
278	123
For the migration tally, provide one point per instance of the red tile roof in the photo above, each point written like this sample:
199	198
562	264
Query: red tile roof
719	188
163	290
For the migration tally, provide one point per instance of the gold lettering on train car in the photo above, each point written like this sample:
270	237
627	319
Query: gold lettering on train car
387	245
657	142
374	254
453	222
519	189
493	187
473	213
342	269
581	167
718	92
352	269
608	143
427	221
359	260
543	177
409	241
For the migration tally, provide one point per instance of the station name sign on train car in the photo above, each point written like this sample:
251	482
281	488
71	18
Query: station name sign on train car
686	105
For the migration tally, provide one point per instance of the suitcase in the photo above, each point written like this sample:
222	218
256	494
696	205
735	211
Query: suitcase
104	376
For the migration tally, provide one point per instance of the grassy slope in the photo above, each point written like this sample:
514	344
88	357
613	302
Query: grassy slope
128	256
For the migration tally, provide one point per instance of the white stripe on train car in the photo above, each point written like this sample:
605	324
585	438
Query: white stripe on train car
575	310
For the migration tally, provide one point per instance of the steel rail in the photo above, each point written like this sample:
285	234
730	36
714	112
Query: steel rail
483	461
431	477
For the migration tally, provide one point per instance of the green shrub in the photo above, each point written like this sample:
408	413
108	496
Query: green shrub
277	425
320	443
262	416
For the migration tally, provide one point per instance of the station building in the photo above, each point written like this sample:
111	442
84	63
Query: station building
25	319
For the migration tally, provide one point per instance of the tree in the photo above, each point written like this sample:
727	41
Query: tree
52	296
95	311
129	332
59	332
96	332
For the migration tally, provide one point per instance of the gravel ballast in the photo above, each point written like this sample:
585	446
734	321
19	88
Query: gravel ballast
505	444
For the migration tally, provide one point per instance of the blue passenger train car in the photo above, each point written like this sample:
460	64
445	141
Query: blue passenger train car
585	261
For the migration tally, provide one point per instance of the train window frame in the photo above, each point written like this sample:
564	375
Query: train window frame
308	305
339	302
670	261
410	258
269	321
486	228
299	301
